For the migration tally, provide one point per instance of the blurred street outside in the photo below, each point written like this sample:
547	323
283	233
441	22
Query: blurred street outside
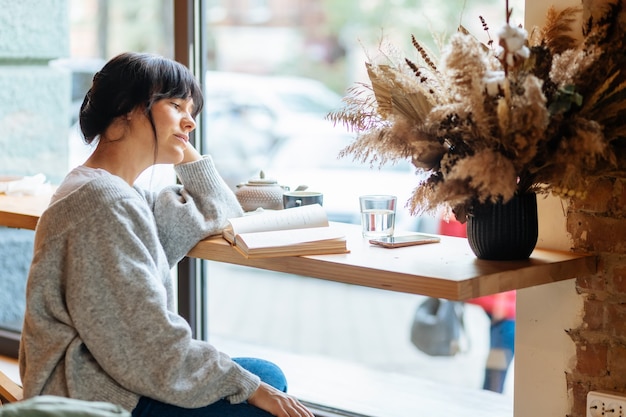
333	338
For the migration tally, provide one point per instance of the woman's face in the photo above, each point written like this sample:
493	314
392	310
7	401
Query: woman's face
173	123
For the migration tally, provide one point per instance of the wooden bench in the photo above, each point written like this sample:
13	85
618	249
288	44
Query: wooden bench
10	391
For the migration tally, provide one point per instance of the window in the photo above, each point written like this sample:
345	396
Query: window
97	31
274	69
269	88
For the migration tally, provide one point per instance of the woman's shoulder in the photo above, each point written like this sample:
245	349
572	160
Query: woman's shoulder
76	178
96	187
92	199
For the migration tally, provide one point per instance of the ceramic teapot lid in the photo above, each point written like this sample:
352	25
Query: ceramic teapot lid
261	180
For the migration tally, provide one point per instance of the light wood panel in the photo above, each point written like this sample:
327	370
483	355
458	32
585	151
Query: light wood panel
22	212
448	269
10	391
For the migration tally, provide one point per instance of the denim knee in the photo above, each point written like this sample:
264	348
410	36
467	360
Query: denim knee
269	372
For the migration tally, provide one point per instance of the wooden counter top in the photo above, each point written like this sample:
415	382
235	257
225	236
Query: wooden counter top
22	212
448	269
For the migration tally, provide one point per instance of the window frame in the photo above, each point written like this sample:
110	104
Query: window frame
189	27
189	33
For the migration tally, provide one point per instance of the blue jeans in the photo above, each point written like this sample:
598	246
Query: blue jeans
267	371
501	351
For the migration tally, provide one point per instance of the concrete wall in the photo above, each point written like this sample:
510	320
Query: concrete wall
34	122
34	97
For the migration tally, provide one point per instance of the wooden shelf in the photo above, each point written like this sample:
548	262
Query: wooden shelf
22	212
447	270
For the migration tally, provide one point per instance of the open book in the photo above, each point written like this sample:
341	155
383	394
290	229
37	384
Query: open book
294	231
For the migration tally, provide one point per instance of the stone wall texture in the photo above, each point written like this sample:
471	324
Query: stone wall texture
34	122
34	96
598	225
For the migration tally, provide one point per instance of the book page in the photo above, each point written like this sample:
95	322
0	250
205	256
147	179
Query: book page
288	219
281	238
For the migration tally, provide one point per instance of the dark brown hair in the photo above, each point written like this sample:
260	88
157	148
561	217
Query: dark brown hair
130	80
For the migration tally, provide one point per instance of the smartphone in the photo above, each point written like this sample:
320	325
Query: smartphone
406	240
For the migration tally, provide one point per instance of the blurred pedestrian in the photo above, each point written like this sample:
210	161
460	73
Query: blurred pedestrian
500	308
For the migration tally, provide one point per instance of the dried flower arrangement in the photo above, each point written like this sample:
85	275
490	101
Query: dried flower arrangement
536	113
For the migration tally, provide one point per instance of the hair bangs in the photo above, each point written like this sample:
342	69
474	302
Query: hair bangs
173	80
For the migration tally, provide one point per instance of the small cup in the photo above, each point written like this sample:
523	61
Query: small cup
301	198
378	215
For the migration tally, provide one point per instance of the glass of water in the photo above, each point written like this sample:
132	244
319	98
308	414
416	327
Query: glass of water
378	215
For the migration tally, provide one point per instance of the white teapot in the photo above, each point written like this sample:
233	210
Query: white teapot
260	192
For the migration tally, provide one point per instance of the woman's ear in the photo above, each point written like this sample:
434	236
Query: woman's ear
138	110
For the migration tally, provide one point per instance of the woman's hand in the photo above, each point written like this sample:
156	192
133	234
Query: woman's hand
277	403
191	154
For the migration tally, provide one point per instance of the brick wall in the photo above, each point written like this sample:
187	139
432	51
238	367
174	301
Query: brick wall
598	225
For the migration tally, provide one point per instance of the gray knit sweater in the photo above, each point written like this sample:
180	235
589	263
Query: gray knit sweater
100	323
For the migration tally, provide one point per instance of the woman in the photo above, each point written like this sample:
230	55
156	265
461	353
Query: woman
100	322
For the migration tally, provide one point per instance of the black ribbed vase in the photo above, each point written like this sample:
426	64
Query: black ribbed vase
502	232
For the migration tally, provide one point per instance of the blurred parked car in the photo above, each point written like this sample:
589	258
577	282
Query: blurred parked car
278	125
342	180
249	118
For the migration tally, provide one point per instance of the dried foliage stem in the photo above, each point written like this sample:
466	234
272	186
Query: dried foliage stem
538	113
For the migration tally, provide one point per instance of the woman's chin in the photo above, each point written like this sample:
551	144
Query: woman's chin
179	159
174	157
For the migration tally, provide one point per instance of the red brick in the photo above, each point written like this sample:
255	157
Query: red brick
594	315
619	279
616	320
592	283
616	362
599	196
597	234
579	393
577	227
591	359
618	203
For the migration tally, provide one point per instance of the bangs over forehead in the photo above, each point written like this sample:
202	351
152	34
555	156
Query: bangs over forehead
170	79
131	80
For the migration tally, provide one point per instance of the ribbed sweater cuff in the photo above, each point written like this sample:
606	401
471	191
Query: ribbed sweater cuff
199	175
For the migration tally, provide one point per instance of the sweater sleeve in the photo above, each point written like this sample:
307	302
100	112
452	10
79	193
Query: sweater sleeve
117	301
198	208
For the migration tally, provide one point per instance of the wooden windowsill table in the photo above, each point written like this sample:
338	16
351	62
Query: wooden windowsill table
22	212
447	269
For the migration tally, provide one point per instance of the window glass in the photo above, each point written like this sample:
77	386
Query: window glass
99	29
269	85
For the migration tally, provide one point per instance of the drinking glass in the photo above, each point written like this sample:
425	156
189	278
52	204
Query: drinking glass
378	215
